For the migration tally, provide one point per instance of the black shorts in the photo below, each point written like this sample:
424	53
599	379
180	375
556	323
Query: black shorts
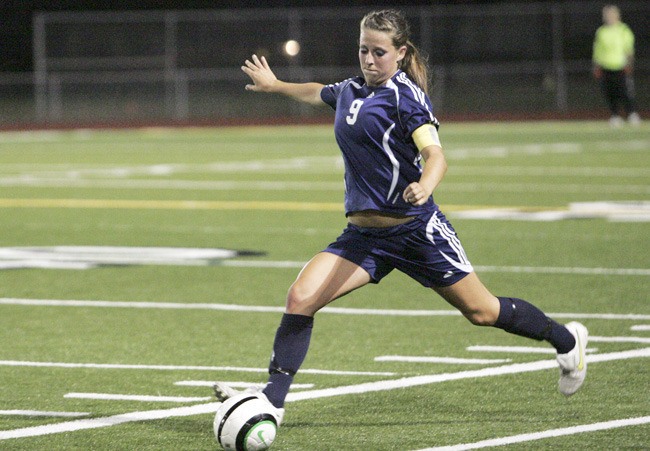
426	249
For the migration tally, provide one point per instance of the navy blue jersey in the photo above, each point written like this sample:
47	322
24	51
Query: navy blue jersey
373	128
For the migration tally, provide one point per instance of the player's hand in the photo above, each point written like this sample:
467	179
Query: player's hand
598	72
263	77
415	194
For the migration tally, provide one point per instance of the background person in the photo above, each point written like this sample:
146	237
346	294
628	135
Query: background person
613	58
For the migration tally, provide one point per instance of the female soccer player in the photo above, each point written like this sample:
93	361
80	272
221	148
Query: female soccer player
386	129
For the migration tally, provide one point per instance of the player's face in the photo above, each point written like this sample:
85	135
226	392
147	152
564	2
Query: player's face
378	56
611	16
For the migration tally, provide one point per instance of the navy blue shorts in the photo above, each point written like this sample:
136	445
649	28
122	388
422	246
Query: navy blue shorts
426	249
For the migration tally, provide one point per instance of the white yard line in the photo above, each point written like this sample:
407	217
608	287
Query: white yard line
564	188
159	398
271	309
544	148
608	316
519	349
327	164
546	171
619	340
62	173
444	360
171	184
72	172
194	185
95	423
42	413
141	305
47	263
565	270
117	366
641	328
368	387
234	384
478	268
523	438
140	398
445	377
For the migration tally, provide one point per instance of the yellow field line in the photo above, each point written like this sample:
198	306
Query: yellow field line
212	205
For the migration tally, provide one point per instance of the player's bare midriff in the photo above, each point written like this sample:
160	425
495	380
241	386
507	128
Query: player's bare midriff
371	218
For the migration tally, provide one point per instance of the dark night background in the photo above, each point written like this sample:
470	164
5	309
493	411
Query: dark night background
517	57
16	17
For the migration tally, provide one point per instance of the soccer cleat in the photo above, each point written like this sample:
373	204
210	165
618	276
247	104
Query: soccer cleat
616	121
573	364
223	392
634	119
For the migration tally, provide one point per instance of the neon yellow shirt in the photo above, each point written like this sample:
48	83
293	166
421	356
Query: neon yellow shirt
613	46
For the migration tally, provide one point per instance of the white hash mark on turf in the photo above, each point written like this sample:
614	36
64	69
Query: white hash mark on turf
94	423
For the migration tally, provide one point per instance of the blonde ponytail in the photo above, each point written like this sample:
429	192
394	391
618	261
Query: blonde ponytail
415	66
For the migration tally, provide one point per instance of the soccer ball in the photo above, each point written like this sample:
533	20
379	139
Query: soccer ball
245	423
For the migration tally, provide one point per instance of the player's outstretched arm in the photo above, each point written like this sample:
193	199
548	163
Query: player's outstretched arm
264	80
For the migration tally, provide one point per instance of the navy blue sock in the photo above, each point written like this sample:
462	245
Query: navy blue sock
521	318
289	351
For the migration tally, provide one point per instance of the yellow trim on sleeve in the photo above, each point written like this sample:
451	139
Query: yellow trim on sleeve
426	135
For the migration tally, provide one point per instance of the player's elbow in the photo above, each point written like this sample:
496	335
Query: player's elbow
315	101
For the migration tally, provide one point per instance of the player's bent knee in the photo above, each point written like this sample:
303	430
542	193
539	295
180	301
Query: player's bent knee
300	301
295	299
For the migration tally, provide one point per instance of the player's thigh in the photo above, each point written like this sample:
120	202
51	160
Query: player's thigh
473	299
324	278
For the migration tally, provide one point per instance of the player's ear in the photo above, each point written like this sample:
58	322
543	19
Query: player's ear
401	53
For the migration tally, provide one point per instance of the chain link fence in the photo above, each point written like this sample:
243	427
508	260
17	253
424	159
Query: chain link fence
526	59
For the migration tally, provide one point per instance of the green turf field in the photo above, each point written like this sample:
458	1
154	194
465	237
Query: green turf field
113	322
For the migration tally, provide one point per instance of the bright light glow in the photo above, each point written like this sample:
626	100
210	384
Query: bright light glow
291	47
